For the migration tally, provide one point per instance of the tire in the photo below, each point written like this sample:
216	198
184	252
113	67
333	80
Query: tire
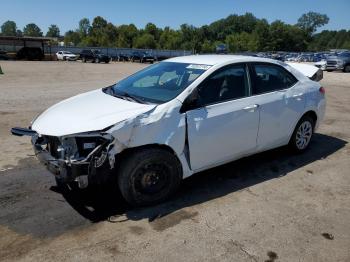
73	186
64	58
302	134
149	176
347	69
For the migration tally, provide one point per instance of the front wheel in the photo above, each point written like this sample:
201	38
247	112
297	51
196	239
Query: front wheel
302	134
149	176
347	69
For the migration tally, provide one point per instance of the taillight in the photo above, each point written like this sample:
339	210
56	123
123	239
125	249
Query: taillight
322	90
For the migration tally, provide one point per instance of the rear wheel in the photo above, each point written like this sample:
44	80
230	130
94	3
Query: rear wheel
302	134
149	176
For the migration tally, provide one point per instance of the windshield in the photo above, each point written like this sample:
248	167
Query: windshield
158	83
67	52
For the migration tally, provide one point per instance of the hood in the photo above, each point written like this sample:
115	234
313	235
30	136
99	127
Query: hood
91	111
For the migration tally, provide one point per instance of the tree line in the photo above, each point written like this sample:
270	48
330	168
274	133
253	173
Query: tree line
239	32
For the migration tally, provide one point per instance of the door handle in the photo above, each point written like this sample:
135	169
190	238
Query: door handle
251	108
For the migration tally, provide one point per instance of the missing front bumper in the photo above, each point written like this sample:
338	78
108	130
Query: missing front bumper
59	167
67	160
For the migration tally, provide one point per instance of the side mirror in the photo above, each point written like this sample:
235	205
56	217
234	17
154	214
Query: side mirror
191	102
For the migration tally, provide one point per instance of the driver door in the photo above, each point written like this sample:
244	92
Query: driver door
224	124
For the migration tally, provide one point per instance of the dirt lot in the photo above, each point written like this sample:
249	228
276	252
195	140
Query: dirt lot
270	207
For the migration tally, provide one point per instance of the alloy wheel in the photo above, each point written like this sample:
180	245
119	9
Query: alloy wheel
303	135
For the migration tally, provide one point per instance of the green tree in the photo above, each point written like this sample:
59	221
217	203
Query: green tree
53	31
311	21
170	39
9	28
32	30
126	35
207	47
152	29
145	41
262	34
190	38
241	42
84	27
72	38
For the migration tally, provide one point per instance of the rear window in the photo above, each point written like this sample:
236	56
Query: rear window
269	77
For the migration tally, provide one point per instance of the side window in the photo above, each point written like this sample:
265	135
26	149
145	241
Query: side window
268	78
228	83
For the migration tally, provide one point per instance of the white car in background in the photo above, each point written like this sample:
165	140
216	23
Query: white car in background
176	118
66	55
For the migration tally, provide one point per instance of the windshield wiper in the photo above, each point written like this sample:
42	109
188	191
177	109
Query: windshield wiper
136	99
127	96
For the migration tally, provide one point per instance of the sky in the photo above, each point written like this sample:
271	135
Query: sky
67	13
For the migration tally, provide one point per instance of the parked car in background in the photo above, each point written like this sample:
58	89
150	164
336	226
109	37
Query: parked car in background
142	57
3	55
176	118
340	61
30	53
95	56
122	57
66	55
321	64
221	49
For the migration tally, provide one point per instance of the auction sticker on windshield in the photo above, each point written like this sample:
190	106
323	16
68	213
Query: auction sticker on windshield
195	66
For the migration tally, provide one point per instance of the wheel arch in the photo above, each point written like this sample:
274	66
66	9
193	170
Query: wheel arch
129	151
311	113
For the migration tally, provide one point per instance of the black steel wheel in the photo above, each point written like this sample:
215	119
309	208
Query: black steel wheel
149	176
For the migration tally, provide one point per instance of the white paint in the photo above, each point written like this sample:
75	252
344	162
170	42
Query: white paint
216	134
90	111
307	70
65	55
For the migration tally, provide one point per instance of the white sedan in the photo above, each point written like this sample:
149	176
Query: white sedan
176	118
66	55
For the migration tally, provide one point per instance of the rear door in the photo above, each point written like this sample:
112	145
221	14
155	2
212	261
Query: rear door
224	124
281	99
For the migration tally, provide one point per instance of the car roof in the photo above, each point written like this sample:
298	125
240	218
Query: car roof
217	59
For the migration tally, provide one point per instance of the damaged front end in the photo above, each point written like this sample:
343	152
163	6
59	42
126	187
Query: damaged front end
71	158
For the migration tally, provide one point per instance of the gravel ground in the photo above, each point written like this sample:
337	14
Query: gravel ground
272	206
